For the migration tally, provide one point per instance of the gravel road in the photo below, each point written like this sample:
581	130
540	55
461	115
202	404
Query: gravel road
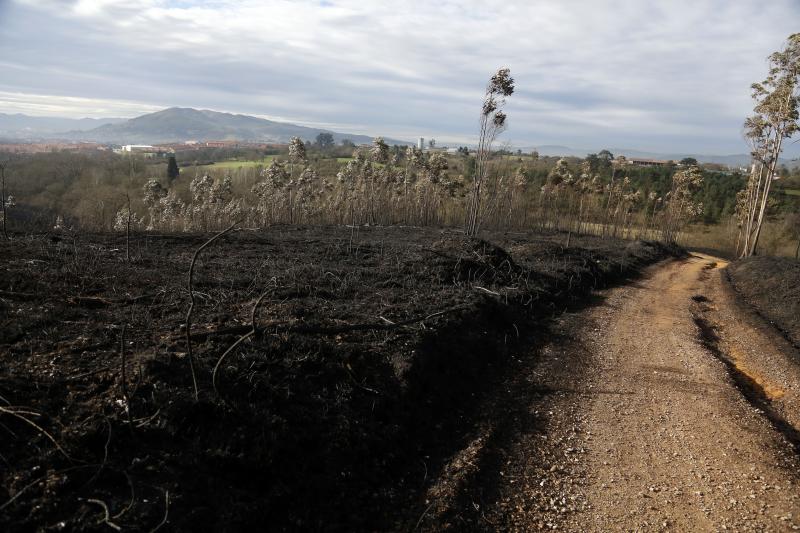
675	444
664	407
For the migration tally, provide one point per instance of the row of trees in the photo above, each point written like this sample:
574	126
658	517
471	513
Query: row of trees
377	187
380	185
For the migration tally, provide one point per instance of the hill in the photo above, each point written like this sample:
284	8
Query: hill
177	124
19	126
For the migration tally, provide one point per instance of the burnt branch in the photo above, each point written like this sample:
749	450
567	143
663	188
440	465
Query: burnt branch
191	306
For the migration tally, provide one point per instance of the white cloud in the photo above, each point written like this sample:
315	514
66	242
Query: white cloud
620	68
70	106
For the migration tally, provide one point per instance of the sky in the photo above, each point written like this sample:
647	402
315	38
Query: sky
665	76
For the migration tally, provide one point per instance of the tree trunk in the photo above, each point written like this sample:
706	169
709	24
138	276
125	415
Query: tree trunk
765	197
3	198
128	230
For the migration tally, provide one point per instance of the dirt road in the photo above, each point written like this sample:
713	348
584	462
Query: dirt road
665	407
677	444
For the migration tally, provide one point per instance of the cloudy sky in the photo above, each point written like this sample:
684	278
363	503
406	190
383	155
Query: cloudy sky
666	76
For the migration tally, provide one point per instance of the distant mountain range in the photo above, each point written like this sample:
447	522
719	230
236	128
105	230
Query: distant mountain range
176	124
25	127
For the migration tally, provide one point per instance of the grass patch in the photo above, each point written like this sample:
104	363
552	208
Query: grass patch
243	164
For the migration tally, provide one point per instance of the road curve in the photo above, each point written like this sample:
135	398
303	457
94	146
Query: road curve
663	406
684	436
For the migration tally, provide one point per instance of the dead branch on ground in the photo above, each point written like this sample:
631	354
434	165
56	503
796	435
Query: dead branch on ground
166	513
191	306
128	406
282	327
18	413
106	517
238	341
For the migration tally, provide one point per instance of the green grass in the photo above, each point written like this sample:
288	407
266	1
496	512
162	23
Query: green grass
233	164
243	164
791	192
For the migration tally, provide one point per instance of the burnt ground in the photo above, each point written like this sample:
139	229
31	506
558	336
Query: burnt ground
772	286
373	352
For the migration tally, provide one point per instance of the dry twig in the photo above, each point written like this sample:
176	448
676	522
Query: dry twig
20	491
241	339
166	513
131	502
18	414
191	306
128	406
106	517
105	456
327	330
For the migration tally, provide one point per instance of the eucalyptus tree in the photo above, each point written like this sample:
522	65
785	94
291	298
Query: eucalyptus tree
680	206
297	153
306	191
559	180
3	203
433	171
379	152
492	123
775	120
270	190
153	192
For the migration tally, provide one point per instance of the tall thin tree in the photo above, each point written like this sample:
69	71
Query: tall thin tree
492	124
775	119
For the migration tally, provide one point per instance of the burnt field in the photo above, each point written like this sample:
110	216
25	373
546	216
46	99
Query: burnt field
772	286
359	359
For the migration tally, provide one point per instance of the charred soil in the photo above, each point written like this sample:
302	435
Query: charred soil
371	353
772	286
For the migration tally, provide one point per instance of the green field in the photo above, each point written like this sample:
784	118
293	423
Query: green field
255	163
265	162
242	164
791	192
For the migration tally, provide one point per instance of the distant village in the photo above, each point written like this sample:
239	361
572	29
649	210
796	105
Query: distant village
146	150
165	149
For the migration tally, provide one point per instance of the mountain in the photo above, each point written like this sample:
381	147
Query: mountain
178	124
19	126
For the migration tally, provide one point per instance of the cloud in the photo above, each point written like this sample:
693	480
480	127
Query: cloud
65	106
607	72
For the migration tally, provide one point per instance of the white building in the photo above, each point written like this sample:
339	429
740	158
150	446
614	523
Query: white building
137	148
